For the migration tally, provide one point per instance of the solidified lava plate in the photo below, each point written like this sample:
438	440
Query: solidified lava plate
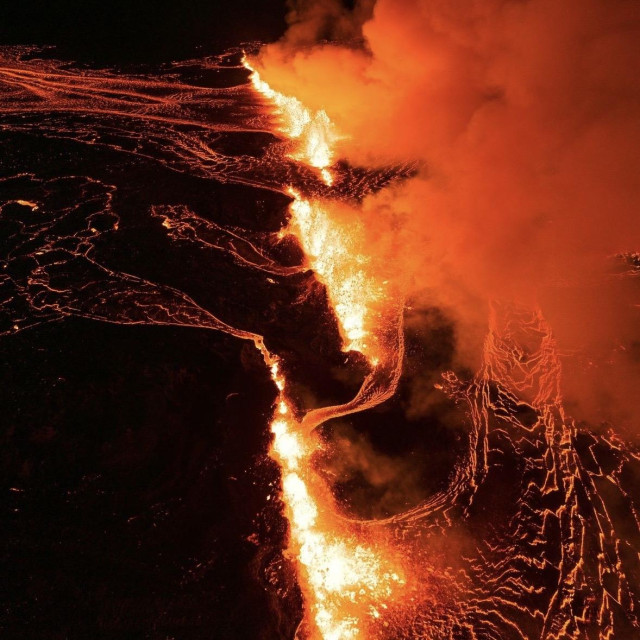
140	259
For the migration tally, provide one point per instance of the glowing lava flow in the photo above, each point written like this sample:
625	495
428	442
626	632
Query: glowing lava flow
534	535
314	131
328	247
346	583
331	254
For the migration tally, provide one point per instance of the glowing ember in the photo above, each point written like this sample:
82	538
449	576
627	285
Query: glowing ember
313	131
27	203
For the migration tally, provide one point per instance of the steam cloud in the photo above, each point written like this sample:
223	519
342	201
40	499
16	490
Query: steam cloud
524	118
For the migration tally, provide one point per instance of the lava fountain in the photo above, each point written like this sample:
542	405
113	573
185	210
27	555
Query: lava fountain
313	133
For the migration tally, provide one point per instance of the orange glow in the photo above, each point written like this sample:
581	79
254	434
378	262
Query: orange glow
333	252
27	203
313	132
490	174
345	582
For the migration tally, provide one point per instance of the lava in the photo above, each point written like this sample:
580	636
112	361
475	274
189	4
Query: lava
313	132
344	580
533	535
333	254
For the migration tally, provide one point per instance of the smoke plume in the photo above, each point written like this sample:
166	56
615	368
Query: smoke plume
312	22
524	119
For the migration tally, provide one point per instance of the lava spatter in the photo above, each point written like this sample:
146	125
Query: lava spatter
314	133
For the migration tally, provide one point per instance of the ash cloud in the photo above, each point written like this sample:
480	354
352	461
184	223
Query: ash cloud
524	116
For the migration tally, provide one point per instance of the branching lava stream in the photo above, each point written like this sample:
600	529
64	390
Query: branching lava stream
533	535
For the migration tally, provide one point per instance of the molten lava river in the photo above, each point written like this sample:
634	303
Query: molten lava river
199	198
